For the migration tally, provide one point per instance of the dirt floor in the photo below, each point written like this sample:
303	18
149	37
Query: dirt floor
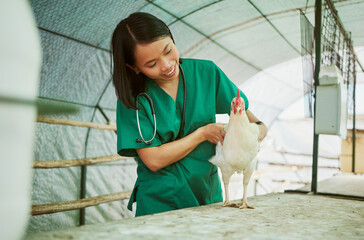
277	216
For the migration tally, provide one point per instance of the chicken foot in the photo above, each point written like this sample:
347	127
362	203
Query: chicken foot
244	201
227	203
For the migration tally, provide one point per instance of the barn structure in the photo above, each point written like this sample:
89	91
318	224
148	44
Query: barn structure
61	176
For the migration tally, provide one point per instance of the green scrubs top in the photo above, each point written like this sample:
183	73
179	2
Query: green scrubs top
193	180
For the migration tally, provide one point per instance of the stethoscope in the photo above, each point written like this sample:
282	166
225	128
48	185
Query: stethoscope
149	142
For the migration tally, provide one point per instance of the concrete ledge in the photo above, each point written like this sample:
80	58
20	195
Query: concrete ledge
277	216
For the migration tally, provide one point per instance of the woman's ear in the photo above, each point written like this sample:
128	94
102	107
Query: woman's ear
135	69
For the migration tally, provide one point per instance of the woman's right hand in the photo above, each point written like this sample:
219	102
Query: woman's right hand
213	132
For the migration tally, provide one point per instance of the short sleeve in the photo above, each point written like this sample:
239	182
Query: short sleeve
225	91
127	128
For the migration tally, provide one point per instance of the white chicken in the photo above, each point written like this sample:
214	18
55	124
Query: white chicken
239	150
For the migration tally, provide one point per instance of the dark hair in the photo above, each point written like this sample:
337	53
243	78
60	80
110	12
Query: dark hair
137	28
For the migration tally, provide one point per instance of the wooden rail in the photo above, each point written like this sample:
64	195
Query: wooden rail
296	165
266	172
76	162
292	182
282	186
110	126
77	204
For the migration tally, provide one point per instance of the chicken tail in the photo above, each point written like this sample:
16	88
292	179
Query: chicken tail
218	159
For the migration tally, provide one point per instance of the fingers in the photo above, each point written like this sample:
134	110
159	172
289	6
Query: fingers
222	133
222	137
216	133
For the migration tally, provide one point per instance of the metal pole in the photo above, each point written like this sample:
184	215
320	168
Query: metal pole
83	194
318	6
354	115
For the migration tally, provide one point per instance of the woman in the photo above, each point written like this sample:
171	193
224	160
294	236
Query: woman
173	171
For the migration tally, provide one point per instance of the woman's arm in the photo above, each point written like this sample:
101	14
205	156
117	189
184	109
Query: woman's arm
262	128
159	157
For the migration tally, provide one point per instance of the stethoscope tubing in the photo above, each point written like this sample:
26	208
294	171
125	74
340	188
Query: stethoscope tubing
149	142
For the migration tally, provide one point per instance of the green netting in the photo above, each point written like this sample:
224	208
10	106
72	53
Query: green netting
218	16
185	37
156	11
182	8
248	43
108	99
69	71
277	7
87	21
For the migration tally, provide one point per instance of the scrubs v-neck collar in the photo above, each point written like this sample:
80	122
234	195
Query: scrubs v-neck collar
165	97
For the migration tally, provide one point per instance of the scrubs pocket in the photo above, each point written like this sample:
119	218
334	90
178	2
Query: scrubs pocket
156	195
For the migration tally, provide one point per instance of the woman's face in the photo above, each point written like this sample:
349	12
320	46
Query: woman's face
157	60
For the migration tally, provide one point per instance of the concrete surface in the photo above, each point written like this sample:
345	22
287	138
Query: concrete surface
344	185
277	216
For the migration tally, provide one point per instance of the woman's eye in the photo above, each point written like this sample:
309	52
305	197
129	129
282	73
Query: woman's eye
152	65
169	51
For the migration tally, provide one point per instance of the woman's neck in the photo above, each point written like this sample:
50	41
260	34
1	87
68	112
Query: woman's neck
170	86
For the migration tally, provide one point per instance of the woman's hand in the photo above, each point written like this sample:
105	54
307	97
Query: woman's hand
262	131
213	132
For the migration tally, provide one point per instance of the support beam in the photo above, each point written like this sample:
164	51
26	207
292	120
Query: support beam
318	7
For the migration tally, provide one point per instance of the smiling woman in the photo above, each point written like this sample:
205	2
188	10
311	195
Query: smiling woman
173	172
159	61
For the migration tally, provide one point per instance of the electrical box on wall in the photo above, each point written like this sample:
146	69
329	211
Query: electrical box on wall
331	103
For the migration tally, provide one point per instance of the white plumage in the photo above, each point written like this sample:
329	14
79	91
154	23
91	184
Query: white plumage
239	150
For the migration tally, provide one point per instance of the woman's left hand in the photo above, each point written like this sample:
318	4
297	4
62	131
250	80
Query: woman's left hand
262	131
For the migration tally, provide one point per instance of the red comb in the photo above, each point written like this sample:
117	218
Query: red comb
238	99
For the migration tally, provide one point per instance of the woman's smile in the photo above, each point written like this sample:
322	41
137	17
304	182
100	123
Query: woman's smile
171	73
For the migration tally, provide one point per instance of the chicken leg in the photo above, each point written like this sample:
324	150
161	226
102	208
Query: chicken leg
248	172
227	202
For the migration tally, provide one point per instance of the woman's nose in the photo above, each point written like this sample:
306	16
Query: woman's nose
165	65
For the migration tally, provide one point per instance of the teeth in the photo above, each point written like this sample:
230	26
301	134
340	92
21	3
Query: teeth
170	71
